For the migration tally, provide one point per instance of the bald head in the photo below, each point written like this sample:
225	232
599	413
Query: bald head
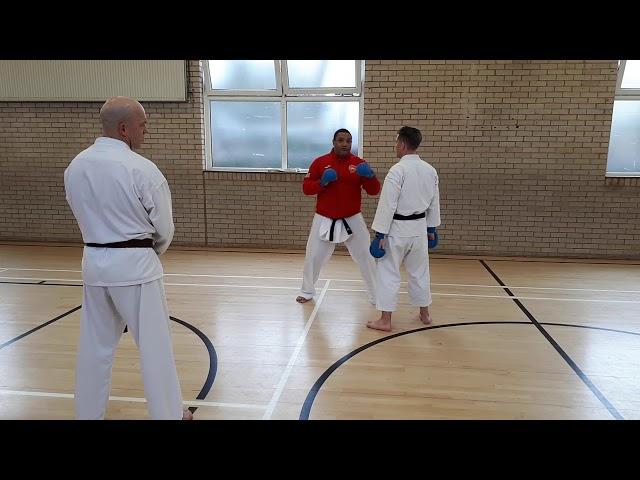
124	119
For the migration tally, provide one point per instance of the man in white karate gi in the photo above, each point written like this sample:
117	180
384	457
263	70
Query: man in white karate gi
122	204
408	208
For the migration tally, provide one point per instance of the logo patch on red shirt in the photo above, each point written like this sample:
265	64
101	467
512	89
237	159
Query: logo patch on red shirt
352	169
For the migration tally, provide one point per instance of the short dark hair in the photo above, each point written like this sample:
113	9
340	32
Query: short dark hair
410	136
341	130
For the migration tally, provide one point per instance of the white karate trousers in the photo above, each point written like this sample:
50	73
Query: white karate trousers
414	253
105	312
319	252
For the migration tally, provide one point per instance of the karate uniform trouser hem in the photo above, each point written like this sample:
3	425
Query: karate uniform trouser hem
105	312
414	254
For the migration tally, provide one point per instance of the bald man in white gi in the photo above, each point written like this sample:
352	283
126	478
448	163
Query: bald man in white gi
122	204
408	205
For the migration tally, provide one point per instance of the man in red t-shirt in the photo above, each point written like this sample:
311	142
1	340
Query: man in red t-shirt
337	178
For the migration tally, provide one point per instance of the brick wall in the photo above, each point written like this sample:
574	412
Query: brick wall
520	147
39	139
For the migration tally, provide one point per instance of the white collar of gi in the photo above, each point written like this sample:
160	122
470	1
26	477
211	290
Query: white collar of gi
410	156
113	142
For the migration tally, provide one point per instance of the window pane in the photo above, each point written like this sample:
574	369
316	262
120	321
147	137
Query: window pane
624	144
631	77
321	73
311	125
242	74
246	134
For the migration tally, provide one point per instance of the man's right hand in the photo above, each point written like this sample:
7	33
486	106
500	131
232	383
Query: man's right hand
377	246
328	176
432	237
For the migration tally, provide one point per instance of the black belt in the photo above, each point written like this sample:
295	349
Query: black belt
415	216
333	224
142	243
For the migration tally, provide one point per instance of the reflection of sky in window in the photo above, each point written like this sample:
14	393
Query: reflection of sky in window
246	134
310	129
624	145
631	76
321	73
242	74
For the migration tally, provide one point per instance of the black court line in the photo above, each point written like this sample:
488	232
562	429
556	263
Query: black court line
590	327
13	340
563	354
44	282
213	357
19	283
213	361
315	389
308	402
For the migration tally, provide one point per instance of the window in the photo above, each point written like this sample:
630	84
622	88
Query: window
624	143
279	114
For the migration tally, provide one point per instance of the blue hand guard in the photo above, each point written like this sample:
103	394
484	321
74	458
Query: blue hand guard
433	243
374	249
328	176
364	170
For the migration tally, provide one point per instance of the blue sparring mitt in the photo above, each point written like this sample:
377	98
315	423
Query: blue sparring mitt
364	170
433	243
374	249
328	176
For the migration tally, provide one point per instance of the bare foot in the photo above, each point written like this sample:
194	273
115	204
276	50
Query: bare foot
301	299
187	415
379	324
424	316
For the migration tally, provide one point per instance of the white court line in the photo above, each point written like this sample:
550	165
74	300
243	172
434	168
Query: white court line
508	286
227	285
228	276
190	403
166	283
320	279
504	297
167	274
294	356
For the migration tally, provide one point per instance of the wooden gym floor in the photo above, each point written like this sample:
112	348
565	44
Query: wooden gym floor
511	339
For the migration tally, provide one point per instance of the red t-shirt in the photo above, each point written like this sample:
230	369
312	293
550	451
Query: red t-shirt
341	198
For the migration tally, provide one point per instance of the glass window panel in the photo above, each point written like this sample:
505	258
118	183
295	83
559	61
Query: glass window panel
321	73
631	76
624	143
242	74
311	125
246	134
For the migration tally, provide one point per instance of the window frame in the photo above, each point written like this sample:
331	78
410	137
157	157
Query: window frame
622	95
243	93
284	94
291	91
